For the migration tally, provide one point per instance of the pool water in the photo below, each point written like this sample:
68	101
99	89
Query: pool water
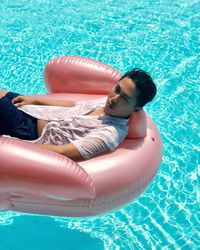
158	36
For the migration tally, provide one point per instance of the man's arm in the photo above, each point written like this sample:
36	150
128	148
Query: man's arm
54	103
68	150
27	100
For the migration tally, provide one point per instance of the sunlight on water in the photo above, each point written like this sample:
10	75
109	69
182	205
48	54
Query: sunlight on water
157	36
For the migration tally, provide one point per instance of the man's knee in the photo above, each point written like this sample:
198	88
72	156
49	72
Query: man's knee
3	93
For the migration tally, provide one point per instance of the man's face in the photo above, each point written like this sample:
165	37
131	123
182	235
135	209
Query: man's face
121	101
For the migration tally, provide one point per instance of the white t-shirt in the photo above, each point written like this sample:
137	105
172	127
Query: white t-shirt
91	135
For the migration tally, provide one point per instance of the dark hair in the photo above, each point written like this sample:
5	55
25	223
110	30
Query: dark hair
144	84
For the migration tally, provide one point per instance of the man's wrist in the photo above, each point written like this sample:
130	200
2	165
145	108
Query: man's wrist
36	102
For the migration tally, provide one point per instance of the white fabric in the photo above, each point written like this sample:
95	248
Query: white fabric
91	135
57	113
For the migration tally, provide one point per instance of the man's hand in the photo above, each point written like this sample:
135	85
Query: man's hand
23	100
28	100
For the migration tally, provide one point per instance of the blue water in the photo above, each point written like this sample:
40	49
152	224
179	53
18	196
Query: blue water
158	36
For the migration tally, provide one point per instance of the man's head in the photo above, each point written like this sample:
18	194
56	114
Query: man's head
130	94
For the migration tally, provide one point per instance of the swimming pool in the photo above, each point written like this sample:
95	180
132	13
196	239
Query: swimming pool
158	36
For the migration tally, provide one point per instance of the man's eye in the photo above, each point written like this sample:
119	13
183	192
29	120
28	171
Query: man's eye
125	98
117	89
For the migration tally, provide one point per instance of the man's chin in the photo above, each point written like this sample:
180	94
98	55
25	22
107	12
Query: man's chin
110	113
113	114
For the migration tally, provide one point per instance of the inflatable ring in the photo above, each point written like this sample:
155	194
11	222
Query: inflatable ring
36	180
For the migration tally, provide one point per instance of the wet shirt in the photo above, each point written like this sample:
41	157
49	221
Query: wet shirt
91	135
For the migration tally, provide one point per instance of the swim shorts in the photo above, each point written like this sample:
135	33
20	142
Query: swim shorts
15	122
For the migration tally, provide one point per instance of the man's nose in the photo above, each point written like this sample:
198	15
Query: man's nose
115	98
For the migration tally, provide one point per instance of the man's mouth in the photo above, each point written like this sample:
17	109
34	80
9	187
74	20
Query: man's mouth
110	106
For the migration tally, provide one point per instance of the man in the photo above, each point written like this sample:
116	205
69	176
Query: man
78	130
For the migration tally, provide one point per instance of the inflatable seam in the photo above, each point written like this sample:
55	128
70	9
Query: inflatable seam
125	195
48	203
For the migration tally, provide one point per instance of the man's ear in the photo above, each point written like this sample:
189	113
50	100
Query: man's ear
137	109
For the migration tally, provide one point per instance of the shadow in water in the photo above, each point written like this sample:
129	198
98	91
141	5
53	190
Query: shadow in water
31	233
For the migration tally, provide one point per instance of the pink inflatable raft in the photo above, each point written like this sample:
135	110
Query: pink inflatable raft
35	180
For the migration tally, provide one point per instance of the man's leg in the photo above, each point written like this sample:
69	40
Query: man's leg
4	112
8	112
3	93
15	122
